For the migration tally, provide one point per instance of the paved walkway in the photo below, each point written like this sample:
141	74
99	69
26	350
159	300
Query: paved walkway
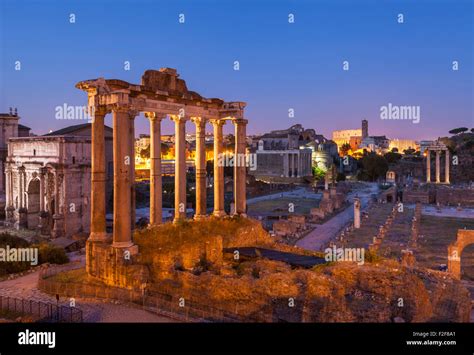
322	234
299	192
94	310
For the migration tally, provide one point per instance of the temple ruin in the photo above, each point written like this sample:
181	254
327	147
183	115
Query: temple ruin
161	94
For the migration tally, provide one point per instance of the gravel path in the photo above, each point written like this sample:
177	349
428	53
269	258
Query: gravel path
322	234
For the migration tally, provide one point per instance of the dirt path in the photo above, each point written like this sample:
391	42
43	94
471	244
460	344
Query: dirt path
322	234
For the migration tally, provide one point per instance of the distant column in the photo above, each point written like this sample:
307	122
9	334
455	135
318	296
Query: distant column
58	217
437	167
446	167
41	180
200	162
240	168
356	213
156	197
218	168
98	177
180	168
20	182
122	235
286	164
428	166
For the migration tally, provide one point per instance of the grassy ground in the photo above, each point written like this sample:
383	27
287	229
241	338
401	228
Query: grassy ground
438	233
369	227
398	235
280	206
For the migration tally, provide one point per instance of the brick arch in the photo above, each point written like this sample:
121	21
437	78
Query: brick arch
464	238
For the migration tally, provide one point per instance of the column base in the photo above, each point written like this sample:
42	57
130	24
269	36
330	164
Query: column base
200	217
219	214
178	219
241	214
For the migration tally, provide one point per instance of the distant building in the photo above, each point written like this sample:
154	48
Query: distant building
9	128
280	158
379	144
48	180
344	136
403	144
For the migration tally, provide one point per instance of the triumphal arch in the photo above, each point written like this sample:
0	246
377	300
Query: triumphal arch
160	95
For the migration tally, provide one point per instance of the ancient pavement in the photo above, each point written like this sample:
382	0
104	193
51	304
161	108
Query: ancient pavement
322	234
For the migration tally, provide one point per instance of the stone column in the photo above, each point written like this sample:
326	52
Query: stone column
156	197
446	167
122	234
218	169
21	186
286	165
200	160
240	169
356	213
428	166
131	115
437	167
9	206
98	177
180	168
41	179
57	217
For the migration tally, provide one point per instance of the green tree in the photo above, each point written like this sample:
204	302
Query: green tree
392	157
318	173
374	166
458	130
345	148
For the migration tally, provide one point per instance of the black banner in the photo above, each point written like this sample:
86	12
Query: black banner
217	337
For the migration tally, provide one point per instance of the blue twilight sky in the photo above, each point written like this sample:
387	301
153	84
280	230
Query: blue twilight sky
282	65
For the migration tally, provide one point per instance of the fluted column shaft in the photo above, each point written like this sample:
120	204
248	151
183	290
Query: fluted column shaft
180	169
122	235
218	168
98	177
200	167
240	168
156	197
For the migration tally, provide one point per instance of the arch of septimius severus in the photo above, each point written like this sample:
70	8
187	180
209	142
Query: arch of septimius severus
160	95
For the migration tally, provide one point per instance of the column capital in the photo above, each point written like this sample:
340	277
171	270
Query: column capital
153	116
177	118
239	121
217	121
97	110
199	121
132	113
118	107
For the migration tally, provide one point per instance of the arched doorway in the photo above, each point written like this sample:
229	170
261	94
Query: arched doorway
33	203
464	238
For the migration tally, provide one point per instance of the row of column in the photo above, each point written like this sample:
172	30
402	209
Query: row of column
295	165
123	136
437	171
